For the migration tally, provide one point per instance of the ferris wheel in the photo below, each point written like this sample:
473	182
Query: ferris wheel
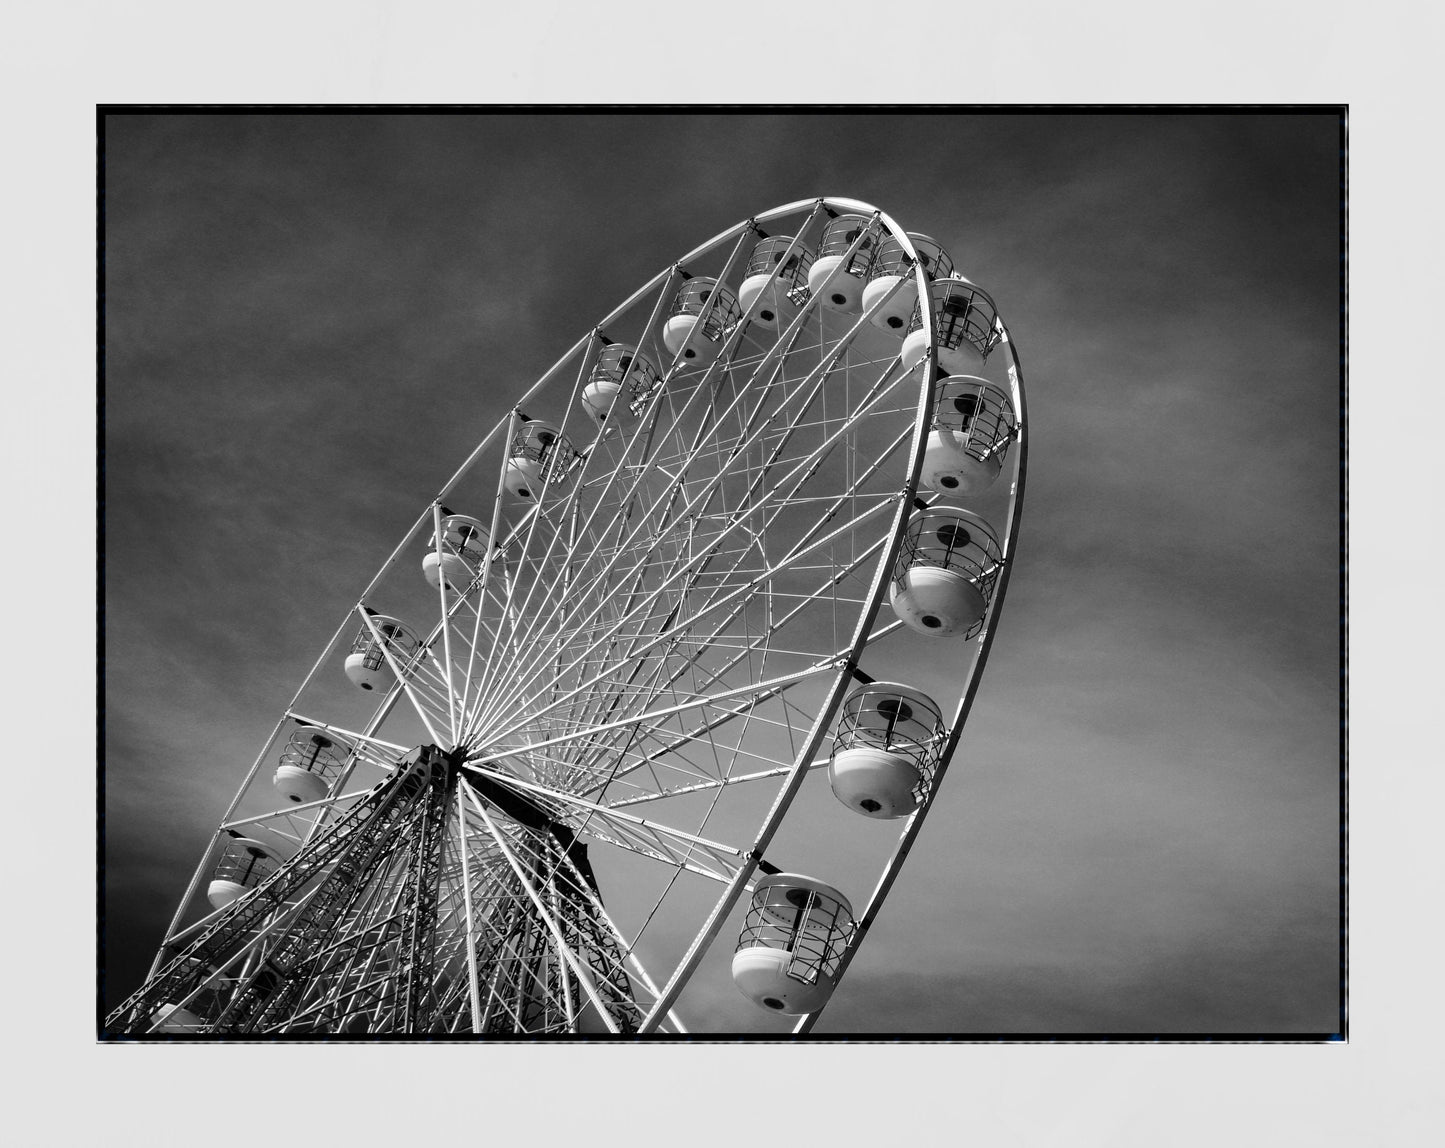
634	729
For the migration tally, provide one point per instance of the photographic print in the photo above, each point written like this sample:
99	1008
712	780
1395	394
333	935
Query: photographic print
683	574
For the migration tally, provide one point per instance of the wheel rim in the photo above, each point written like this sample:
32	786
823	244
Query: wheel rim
628	699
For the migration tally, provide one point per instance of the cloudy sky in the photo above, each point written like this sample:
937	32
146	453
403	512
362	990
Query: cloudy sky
311	319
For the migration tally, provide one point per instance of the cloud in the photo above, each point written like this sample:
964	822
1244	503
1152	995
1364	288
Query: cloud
1209	990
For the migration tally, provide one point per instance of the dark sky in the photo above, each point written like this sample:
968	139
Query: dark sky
311	319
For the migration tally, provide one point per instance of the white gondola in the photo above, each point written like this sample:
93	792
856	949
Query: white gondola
775	304
886	749
463	553
174	1020
367	665
973	424
703	313
539	454
893	268
620	367
946	571
310	764
244	864
966	326
791	943
835	277
195	1016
